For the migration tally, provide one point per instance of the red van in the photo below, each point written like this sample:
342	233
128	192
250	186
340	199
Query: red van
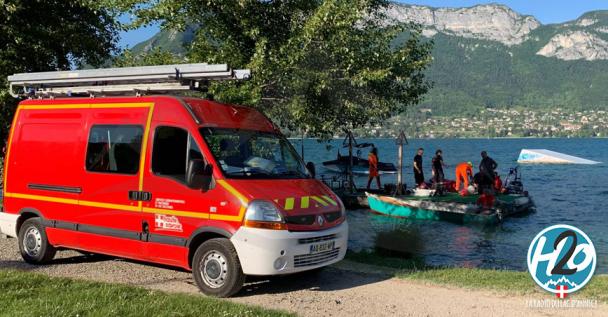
186	182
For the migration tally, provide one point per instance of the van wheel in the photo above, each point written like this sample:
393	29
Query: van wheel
217	269
33	242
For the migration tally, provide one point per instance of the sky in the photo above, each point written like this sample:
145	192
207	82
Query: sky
547	11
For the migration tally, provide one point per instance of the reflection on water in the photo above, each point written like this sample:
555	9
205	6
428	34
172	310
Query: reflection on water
568	194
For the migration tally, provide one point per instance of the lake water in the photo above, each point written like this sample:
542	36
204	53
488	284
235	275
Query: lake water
564	194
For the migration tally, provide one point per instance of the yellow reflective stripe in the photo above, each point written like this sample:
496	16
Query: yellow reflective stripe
181	213
144	147
47	107
319	200
289	202
233	191
109	206
304	202
90	106
69	106
228	217
43	198
237	194
8	150
69	201
122	105
331	201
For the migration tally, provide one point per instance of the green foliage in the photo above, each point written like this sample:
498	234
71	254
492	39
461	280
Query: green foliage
512	282
471	74
49	35
173	41
30	294
318	66
156	56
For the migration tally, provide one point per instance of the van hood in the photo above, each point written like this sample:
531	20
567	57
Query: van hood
302	201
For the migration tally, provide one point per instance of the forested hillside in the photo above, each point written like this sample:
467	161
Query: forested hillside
492	57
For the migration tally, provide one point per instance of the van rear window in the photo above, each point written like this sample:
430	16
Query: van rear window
114	149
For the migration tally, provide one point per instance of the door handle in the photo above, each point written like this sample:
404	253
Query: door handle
140	195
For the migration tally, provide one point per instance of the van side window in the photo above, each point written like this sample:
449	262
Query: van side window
173	148
114	149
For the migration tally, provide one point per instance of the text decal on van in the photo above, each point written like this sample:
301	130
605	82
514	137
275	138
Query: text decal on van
167	223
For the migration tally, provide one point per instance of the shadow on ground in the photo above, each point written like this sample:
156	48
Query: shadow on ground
323	280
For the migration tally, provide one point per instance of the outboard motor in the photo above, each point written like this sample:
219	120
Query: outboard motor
513	183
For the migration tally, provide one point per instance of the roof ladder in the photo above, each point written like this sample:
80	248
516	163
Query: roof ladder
122	81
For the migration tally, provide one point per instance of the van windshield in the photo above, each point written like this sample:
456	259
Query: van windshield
254	154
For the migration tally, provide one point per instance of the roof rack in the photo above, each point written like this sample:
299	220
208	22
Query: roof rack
121	81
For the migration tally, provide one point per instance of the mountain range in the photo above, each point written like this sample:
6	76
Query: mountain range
489	56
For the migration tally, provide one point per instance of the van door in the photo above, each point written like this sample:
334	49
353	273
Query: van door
110	206
175	210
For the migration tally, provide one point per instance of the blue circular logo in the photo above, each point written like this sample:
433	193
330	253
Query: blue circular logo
561	259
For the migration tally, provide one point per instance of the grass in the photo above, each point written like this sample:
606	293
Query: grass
32	294
502	281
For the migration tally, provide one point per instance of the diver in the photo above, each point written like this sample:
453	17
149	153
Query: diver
418	172
488	166
438	165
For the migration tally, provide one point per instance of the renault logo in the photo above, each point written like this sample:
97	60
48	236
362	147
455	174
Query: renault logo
320	221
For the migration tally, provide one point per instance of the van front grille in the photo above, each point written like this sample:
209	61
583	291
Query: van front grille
301	220
332	216
315	259
317	239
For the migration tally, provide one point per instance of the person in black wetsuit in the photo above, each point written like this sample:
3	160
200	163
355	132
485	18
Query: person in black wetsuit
438	176
487	169
418	172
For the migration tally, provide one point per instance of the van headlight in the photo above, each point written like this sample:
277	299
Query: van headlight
265	215
342	208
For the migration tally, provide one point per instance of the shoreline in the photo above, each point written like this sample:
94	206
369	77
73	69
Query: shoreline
504	281
467	138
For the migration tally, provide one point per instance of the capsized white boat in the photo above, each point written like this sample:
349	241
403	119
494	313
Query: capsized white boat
550	157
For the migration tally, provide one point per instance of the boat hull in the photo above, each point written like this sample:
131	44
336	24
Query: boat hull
445	210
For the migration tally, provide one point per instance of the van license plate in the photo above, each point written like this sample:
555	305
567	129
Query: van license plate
322	247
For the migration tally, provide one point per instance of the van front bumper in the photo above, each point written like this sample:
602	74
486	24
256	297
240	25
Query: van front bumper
8	224
273	252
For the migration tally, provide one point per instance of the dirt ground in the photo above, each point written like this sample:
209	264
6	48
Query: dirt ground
345	289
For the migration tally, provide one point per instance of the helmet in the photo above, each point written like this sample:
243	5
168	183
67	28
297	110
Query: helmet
470	164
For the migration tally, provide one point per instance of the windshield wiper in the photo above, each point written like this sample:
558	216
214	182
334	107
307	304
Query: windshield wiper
248	173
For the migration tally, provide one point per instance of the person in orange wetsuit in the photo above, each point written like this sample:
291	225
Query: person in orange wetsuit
373	167
464	171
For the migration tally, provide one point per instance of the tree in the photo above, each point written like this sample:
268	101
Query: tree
318	65
153	57
49	35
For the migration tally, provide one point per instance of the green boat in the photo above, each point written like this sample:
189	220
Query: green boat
450	207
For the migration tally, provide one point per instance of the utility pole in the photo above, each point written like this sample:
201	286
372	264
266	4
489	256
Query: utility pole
351	183
401	140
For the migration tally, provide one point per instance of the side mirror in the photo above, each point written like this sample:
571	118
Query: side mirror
199	175
310	166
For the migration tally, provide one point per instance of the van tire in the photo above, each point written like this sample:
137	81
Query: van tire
216	268
33	242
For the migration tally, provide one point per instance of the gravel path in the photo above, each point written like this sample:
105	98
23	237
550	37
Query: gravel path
346	289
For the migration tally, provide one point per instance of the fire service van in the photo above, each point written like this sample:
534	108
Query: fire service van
185	182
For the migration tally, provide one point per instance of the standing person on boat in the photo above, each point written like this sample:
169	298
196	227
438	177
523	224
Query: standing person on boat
373	167
487	167
438	165
418	172
464	171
